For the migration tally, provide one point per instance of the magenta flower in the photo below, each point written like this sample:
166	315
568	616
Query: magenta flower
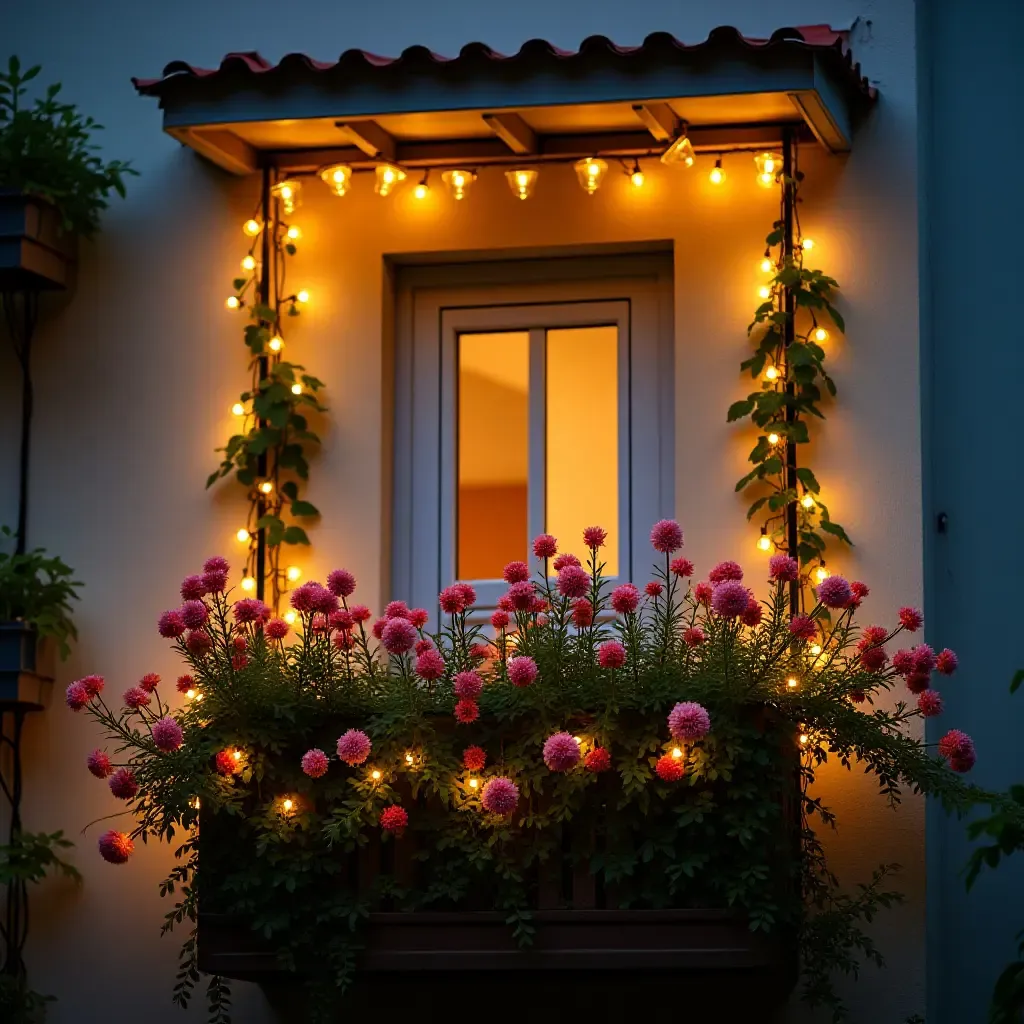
136	698
194	614
803	628
582	613
250	609
354	746
573	581
192	588
903	662
924	658
398	636
730	599
467	685
500	796
516	572
396	610
167	734
689	721
452	600
218	563
419	617
430	665
693	636
874	658
215	582
313	597
752	613
611	654
342	619
946	662
666	536
360	613
911	619
568	558
783	569
726	571
422	646
123	785
958	748
500	619
625	598
834	592
198	642
681	567
860	591
314	763
872	635
654	589
561	752
545	546
468	594
94	684
930	704
394	819
521	596
522	670
99	764
170	625
595	536
341	582
276	629
115	847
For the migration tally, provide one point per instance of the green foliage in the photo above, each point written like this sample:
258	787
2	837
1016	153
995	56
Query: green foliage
19	1004
33	855
37	589
46	150
789	396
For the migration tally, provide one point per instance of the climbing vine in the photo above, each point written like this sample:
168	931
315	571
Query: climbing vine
789	331
269	456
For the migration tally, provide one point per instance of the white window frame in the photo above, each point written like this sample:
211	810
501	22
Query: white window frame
631	293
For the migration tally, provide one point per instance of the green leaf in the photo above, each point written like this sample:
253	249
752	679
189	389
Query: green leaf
304	508
295	535
290	489
752	511
1018	678
808	479
836	317
266	313
739	409
836	530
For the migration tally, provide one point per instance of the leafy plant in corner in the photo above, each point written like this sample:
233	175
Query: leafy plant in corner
37	589
46	149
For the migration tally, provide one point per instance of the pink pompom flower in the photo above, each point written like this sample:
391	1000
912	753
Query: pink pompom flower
466	711
860	591
958	748
99	764
170	625
149	682
595	536
198	642
194	614
430	665
354	746
451	601
561	752
341	582
123	785
184	684
500	619
250	609
654	589
468	594
726	571
515	572
136	697
94	684
666	536
394	819
689	721
500	796
752	613
573	581
115	847
422	646
398	636
521	596
611	654
834	592
582	613
545	546
874	659
226	762
167	734
276	629
681	567
703	592
218	563
870	636
911	619
930	704
567	558
730	599
693	636
625	599
396	610
924	658
903	662
315	763
215	582
783	569
419	617
360	613
192	588
918	682
522	670
803	628
946	662
467	684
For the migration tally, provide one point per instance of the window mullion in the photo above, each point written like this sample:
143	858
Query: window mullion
537	479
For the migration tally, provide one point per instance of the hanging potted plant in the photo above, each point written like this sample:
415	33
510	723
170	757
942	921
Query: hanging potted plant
35	619
53	186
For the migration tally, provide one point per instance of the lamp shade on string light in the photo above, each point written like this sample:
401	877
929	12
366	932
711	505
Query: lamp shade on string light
458	182
717	175
591	171
252	227
287	192
680	153
769	166
388	178
636	176
422	189
522	181
337	177
764	542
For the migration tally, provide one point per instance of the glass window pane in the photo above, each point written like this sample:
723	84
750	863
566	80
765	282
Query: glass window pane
583	438
493	433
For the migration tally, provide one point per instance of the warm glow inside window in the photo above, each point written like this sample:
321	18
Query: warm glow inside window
493	452
582	438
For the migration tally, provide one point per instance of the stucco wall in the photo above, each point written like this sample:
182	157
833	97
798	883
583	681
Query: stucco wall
136	375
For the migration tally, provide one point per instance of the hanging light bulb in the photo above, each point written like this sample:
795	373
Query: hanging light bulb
522	181
772	373
773	439
288	192
267	487
238	409
473	783
807	501
248	584
242	536
296	389
458	182
804	738
337	178
232	302
765	291
717	175
636	177
287	804
677	753
815	650
807	244
293	234
422	190
680	152
767	265
293	572
590	171
375	775
276	343
388	177
764	542
792	683
768	165
252	227
249	263
302	296
820	334
290	617
821	573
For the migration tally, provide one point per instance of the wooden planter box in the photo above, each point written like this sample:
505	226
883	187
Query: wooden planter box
25	672
35	255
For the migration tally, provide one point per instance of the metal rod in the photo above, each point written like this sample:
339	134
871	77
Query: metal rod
264	298
789	335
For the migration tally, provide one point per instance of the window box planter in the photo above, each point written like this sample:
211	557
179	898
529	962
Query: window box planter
35	254
25	667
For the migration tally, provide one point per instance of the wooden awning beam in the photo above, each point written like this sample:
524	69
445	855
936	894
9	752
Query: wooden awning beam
513	131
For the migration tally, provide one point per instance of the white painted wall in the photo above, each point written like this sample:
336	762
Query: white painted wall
136	375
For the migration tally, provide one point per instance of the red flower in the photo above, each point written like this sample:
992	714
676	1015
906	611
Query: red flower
394	819
681	567
669	768
874	658
595	536
582	613
227	763
115	847
803	628
693	636
123	785
946	662
516	572
184	684
598	760
625	598
466	711
474	758
911	619
611	654
545	546
99	764
918	682
653	589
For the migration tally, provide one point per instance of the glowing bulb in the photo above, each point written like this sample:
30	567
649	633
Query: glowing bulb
590	172
421	190
717	175
680	152
821	574
276	343
764	542
249	263
238	409
232	302
764	291
191	694
579	740
287	804
293	572
815	649
388	176
771	373
296	389
337	178
767	266
199	697
248	584
409	758
458	182
293	234
804	738
807	501
375	775
290	617
773	439
302	296
765	180
768	165
820	334
288	192
807	244
266	487
242	536
252	228
791	683
637	178
522	181
473	783
237	755
677	753
195	803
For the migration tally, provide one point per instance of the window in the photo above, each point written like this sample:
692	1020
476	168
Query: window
542	407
